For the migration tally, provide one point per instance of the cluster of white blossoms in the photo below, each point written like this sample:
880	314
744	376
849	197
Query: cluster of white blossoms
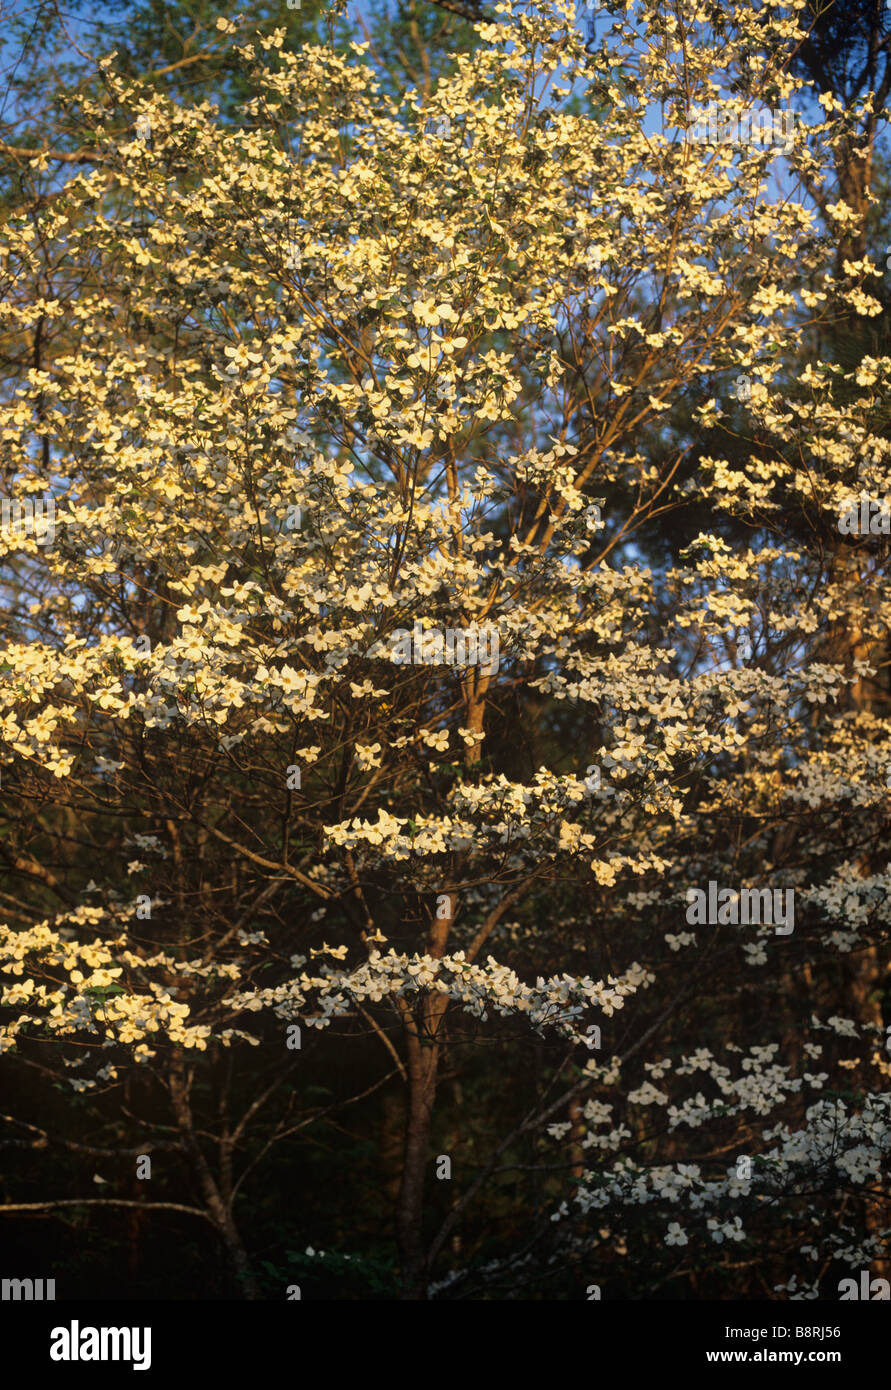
834	1147
91	996
558	1003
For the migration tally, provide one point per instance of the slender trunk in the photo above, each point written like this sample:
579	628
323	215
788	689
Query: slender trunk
392	1138
422	1053
423	1044
576	1135
220	1211
135	1218
424	1031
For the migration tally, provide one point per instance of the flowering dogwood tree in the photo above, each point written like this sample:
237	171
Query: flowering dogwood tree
358	367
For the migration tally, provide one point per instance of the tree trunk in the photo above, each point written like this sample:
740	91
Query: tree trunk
422	1050
220	1211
